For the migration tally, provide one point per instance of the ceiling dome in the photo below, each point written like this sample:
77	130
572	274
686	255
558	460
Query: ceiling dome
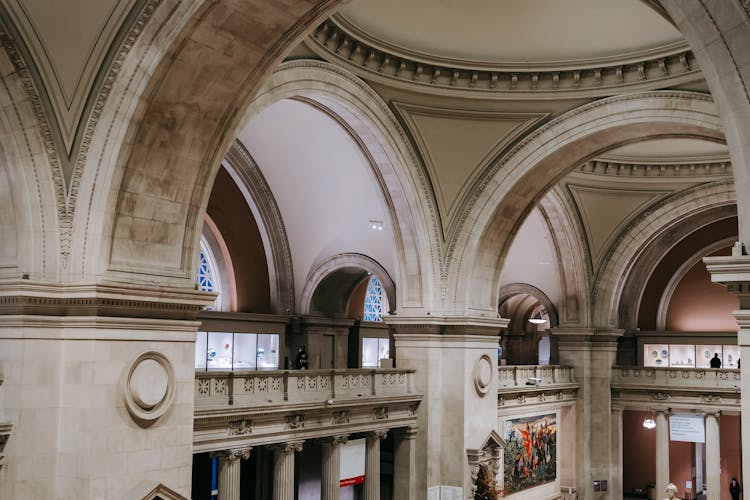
498	32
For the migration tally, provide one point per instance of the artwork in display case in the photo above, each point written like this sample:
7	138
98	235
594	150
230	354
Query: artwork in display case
704	353
731	355
656	355
373	350
682	356
245	345
267	352
200	350
219	354
530	455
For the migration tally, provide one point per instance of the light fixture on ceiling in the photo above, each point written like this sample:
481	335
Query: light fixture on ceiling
376	225
537	319
649	423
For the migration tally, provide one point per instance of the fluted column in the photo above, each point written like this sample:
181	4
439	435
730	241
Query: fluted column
330	484
283	470
713	457
229	471
372	464
405	463
662	451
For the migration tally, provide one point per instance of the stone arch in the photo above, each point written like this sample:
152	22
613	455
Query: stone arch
227	286
560	212
511	289
257	193
329	285
620	276
666	298
394	163
533	166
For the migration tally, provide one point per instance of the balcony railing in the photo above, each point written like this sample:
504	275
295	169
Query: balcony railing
253	388
698	379
519	376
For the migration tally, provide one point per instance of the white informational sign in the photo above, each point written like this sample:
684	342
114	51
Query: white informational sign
687	427
352	463
445	493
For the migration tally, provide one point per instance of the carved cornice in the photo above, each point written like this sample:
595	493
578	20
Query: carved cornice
669	66
24	297
621	169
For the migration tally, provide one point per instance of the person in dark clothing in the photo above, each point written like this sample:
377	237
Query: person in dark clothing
735	489
715	361
301	361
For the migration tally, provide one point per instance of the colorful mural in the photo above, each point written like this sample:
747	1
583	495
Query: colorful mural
530	456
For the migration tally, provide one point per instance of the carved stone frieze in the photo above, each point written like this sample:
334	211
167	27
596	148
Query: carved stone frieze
659	396
340	417
240	427
710	398
380	413
620	169
294	421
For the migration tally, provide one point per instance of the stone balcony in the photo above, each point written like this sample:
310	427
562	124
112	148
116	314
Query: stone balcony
264	407
524	384
687	388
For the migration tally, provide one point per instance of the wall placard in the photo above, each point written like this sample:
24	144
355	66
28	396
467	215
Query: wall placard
687	427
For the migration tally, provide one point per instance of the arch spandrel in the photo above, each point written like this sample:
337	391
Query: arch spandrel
533	166
194	106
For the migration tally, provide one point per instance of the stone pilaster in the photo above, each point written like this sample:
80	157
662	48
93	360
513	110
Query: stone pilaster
404	463
283	470
713	457
372	464
229	471
662	451
616	486
734	272
465	396
330	481
592	354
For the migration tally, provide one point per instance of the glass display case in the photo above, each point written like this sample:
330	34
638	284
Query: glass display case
219	353
704	353
267	352
200	350
656	355
682	356
730	357
245	345
373	350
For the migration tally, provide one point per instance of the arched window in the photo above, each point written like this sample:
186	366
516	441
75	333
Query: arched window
375	301
208	277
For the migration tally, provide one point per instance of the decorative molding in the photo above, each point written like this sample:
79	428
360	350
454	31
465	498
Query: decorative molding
144	405
296	421
483	375
710	398
245	171
340	417
289	446
659	396
233	454
380	413
622	169
378	434
5	430
240	427
669	66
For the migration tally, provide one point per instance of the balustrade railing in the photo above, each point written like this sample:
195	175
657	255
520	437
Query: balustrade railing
251	388
687	378
527	375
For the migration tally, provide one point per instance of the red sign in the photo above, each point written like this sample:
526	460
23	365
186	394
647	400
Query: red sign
352	480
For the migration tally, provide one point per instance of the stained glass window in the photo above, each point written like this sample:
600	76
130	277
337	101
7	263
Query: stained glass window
375	301
208	278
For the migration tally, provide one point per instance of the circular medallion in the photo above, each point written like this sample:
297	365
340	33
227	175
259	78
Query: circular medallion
483	375
149	387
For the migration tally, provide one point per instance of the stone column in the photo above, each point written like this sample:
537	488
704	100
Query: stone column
455	360
591	353
615	487
404	463
283	470
662	452
713	457
331	478
372	464
229	471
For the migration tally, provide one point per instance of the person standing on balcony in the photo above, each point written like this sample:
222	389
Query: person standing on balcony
735	489
301	361
715	361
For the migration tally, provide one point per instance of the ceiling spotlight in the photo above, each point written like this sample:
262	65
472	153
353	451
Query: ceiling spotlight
376	225
649	423
537	321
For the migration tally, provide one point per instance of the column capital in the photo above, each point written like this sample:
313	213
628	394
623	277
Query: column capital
617	409
233	454
712	413
288	447
408	432
377	434
337	440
